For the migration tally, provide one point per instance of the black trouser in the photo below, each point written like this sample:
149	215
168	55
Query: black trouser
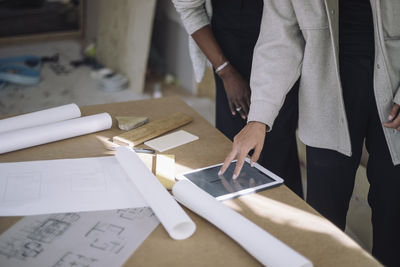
235	24
331	175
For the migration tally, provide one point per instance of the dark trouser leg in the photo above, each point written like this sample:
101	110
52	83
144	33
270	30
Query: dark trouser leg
330	175
384	195
330	183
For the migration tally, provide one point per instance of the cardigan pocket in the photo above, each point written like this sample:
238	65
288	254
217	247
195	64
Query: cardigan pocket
311	14
391	18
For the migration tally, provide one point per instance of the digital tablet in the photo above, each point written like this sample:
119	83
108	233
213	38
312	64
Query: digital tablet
251	179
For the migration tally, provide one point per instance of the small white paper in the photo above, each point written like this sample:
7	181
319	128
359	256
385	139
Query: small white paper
172	140
101	239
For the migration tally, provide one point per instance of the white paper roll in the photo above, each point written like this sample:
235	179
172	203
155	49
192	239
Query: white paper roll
42	117
38	135
174	219
260	244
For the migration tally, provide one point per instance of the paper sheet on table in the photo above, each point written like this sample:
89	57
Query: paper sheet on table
264	247
101	239
41	117
171	140
175	221
67	185
43	134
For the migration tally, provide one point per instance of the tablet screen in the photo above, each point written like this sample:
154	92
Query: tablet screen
223	187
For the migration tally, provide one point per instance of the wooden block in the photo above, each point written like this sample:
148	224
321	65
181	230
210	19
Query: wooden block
153	129
162	166
148	160
165	170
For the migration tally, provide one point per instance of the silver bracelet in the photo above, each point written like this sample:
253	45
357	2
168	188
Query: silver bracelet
221	67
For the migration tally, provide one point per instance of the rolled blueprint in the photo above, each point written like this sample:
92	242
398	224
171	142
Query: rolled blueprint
43	134
263	246
42	117
174	219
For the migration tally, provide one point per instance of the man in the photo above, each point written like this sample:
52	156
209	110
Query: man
348	55
228	44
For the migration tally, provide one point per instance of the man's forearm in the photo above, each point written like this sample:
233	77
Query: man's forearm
205	39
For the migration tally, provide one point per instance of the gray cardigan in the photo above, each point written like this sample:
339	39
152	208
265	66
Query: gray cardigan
300	37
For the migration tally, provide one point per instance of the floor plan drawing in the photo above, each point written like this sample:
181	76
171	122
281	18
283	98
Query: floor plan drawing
87	239
107	237
75	260
134	213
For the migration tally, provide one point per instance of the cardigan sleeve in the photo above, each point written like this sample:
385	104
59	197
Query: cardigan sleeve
277	60
193	14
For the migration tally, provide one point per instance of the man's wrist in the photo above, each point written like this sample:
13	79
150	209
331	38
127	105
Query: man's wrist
222	66
260	124
226	72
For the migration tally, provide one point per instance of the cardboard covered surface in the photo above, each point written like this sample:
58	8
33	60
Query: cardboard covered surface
279	211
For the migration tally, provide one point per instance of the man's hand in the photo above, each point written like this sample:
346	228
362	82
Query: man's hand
250	137
394	118
237	91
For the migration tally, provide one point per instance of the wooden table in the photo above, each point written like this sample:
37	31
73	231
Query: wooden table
277	210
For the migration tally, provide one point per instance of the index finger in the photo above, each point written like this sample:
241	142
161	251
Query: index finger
239	165
394	111
245	108
231	156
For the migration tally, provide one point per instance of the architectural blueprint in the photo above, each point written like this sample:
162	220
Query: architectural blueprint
86	239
